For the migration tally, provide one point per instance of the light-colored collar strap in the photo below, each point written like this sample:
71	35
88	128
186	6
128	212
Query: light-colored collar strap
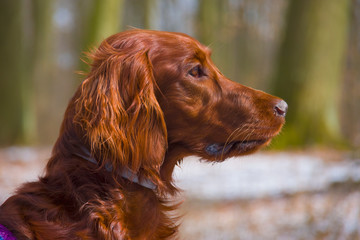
125	173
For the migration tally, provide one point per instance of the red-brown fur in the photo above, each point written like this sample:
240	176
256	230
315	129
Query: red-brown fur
150	99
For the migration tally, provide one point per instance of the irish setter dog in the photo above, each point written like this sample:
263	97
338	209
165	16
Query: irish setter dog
151	98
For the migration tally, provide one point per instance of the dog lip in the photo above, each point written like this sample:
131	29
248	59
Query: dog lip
245	145
215	149
218	148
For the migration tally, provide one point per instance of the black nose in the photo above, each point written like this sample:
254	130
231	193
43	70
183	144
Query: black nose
281	108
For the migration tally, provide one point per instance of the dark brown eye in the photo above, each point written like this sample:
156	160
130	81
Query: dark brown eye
196	72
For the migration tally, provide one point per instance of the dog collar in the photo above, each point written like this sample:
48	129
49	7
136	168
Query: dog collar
125	173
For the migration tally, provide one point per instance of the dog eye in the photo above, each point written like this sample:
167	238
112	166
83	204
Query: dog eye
196	72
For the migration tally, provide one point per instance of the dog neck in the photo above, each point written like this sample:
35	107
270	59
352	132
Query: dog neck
173	157
126	173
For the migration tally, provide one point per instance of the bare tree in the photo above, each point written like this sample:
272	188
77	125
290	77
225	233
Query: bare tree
24	24
310	68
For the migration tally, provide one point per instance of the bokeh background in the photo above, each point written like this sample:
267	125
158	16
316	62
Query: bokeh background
306	185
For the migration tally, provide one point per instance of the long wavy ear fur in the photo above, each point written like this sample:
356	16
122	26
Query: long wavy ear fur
119	116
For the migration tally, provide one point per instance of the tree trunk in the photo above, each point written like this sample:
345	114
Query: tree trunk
17	120
310	68
351	86
105	19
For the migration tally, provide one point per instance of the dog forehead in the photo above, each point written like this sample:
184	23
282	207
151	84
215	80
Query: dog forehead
160	44
175	40
179	44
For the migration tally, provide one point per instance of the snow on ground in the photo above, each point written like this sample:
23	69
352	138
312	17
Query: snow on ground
263	196
253	176
262	175
19	165
271	196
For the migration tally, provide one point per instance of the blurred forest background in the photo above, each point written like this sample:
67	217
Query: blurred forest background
307	52
304	51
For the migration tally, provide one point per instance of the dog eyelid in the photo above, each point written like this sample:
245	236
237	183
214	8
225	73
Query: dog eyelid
196	72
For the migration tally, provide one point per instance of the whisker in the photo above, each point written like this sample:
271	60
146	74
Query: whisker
228	141
237	131
248	135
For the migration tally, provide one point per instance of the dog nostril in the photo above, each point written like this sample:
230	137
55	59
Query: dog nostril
281	108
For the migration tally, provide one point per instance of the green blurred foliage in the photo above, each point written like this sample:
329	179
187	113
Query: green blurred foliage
310	69
303	51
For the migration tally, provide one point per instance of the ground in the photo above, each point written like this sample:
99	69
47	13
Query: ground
282	195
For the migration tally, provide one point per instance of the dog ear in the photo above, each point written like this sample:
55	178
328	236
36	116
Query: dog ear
118	112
